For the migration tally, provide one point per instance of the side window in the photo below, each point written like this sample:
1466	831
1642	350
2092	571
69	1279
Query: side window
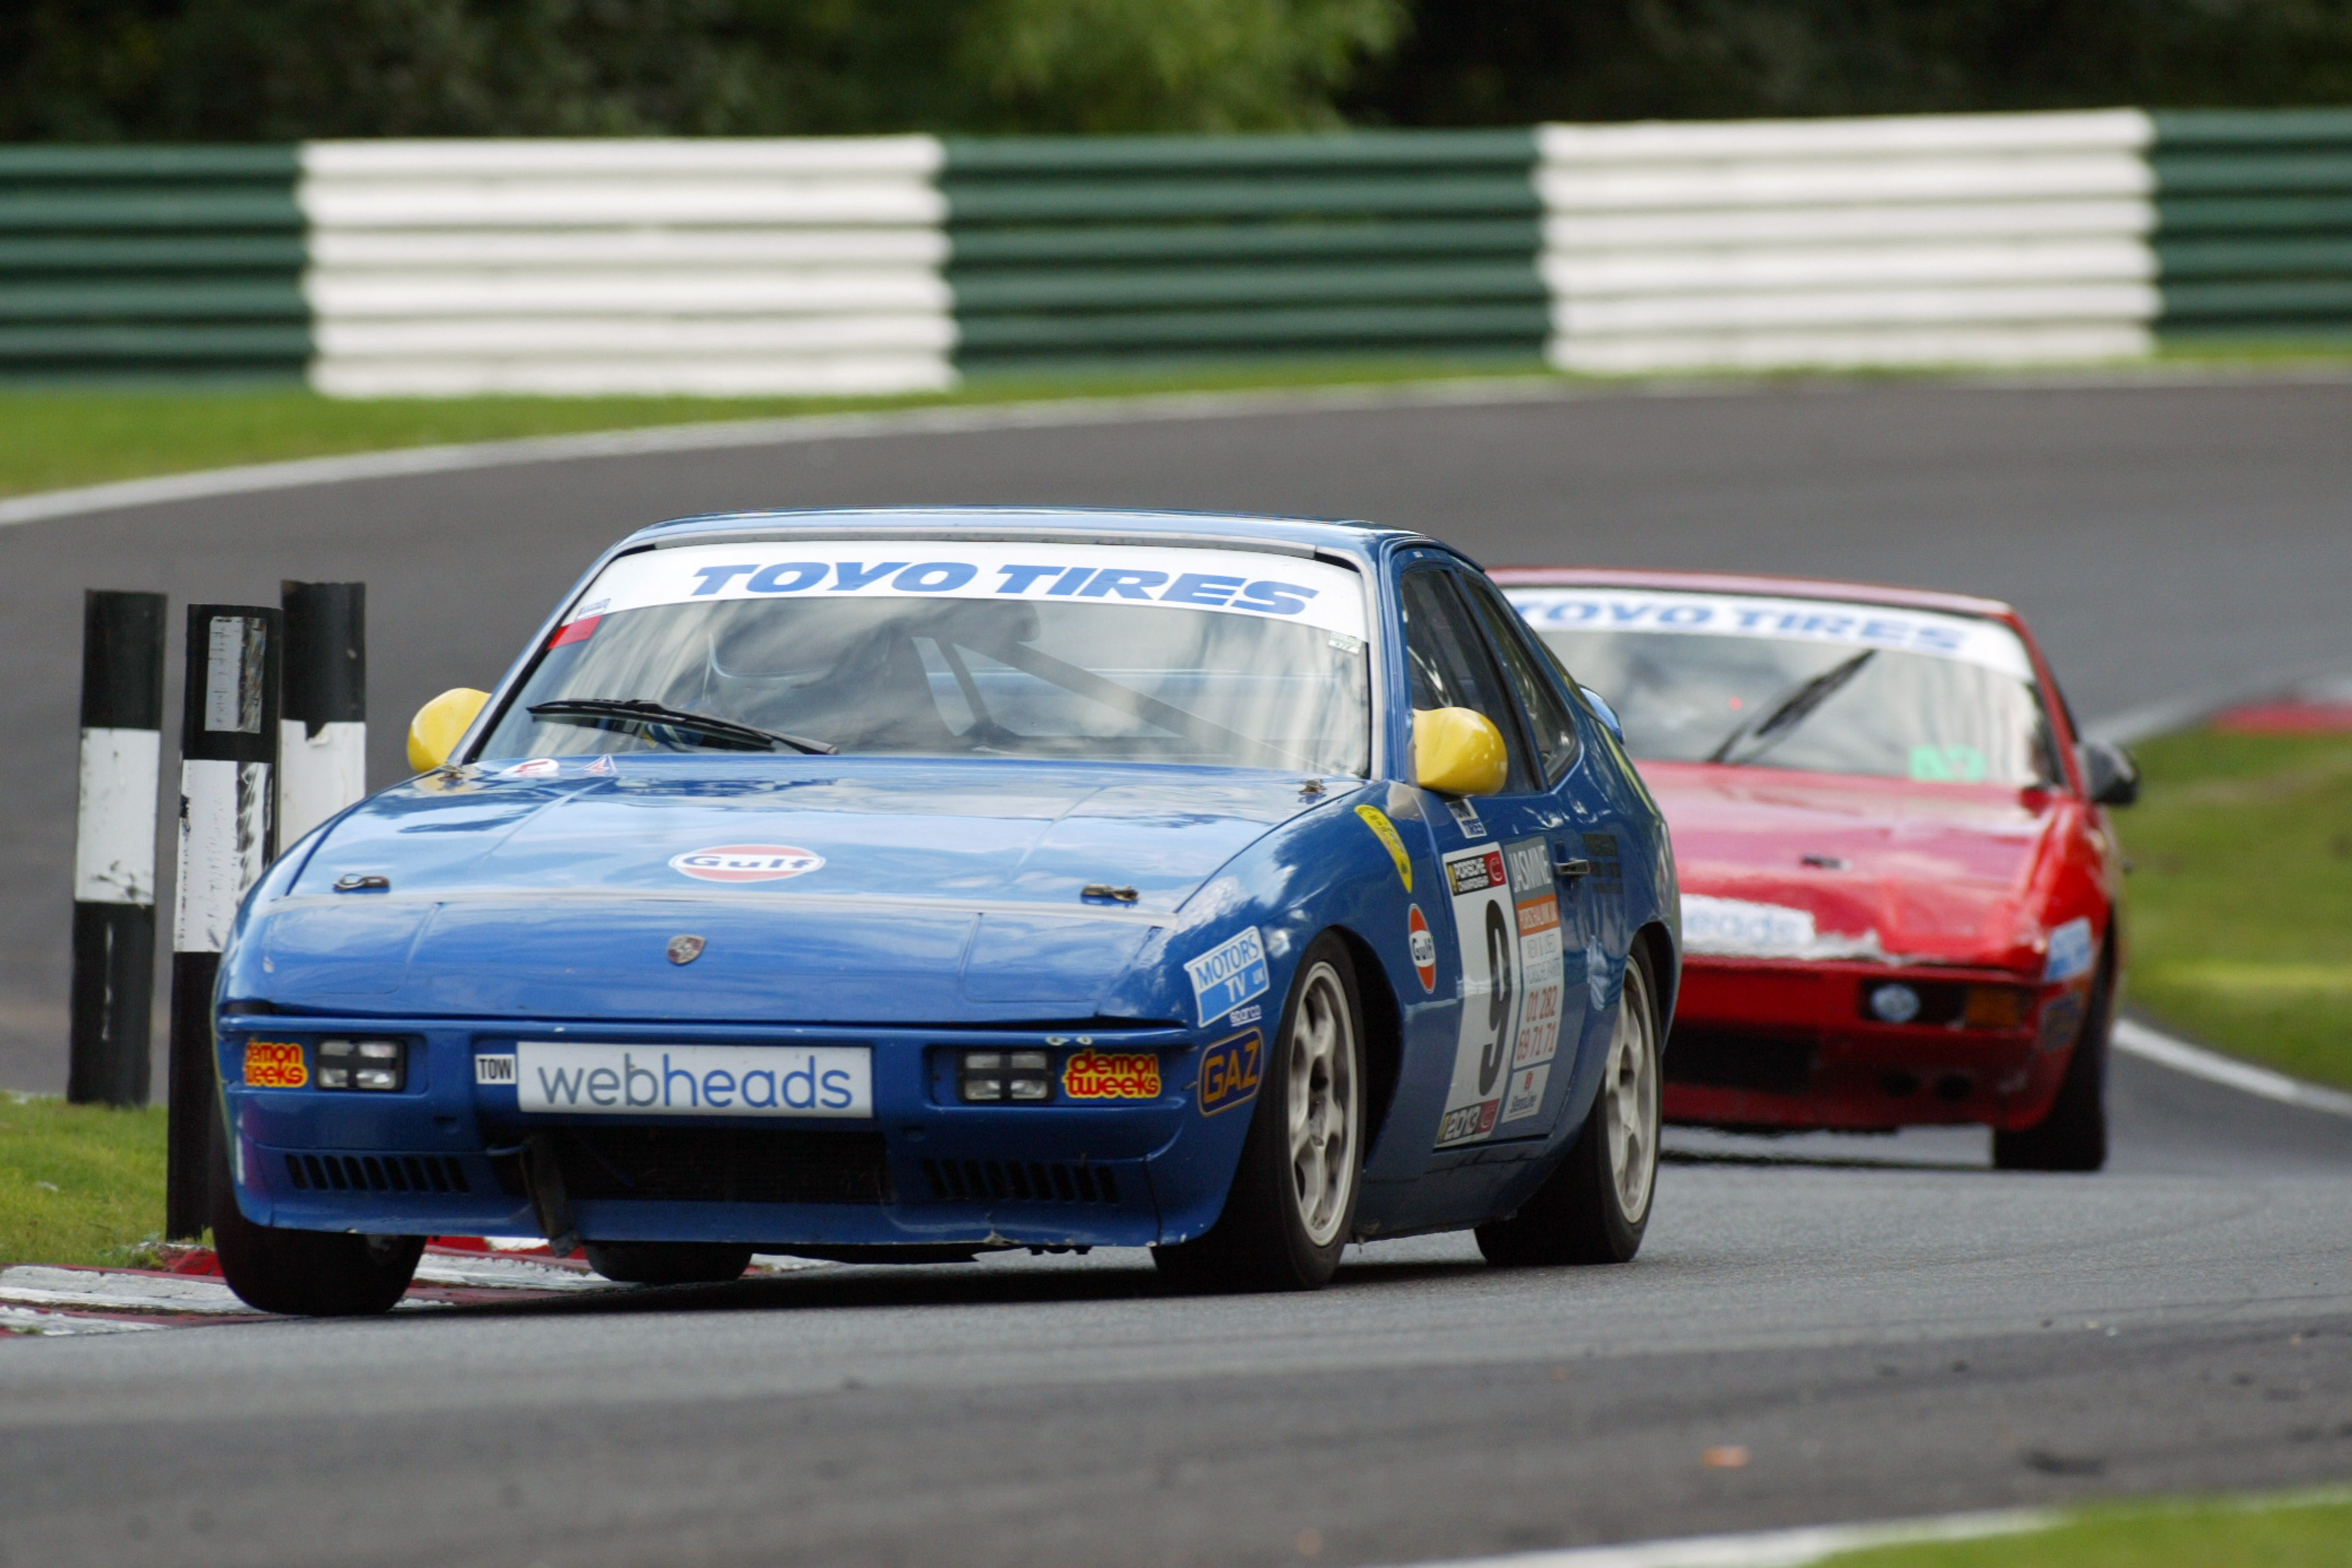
1448	664
1547	710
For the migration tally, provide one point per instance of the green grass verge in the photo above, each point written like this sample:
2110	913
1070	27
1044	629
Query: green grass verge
51	439
2276	1533
79	1183
2240	900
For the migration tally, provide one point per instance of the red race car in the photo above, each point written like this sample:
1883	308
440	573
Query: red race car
1899	881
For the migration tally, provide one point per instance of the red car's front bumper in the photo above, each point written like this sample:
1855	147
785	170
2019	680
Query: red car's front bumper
1789	1045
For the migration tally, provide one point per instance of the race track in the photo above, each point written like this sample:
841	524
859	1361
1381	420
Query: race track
1888	1327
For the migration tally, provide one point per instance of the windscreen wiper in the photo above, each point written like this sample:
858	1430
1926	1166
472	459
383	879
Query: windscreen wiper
659	716
1792	709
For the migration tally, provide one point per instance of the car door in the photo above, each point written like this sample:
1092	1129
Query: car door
1501	890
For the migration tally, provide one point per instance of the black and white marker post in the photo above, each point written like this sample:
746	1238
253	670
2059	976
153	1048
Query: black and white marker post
114	847
228	748
322	731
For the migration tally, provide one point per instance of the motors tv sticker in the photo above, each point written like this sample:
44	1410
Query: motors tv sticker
746	862
574	1079
1111	1075
1225	582
1229	975
1836	621
1229	1072
1507	922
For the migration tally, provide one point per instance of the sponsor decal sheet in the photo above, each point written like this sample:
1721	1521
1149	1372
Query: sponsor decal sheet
1507	922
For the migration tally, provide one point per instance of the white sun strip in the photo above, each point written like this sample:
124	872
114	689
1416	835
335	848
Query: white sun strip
1771	1548
1232	582
1850	625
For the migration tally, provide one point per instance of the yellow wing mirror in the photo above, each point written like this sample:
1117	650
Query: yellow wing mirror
440	724
1457	751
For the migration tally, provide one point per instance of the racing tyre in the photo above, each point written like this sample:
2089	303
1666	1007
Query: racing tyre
1293	1202
2073	1136
1595	1205
669	1262
306	1273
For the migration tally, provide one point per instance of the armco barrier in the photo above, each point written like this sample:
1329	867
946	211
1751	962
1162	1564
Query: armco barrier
1961	239
1100	252
141	261
661	266
899	263
2254	224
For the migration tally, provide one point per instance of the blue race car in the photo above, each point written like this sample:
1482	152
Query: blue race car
902	885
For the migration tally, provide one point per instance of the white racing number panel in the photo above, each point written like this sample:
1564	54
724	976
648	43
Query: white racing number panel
560	1078
1506	919
1229	581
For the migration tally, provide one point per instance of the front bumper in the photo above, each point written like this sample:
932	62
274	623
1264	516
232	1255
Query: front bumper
448	1155
1787	1045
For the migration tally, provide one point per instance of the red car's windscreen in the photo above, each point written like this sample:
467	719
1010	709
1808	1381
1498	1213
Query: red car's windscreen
1806	684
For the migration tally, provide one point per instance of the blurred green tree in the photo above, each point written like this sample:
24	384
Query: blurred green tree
281	70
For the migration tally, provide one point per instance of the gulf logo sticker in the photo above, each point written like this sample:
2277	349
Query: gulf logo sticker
1425	948
746	863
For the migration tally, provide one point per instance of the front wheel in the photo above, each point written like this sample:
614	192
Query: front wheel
1293	1200
1595	1206
2073	1135
306	1273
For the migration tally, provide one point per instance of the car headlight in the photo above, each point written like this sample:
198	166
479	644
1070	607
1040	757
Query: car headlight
377	1065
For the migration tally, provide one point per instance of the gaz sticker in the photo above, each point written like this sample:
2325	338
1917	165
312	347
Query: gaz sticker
1507	922
1424	947
1112	1075
271	1064
1229	1071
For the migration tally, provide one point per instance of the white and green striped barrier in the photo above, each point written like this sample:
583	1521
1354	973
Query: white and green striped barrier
902	264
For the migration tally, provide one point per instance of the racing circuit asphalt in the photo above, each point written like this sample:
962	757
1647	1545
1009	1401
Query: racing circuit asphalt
1886	1326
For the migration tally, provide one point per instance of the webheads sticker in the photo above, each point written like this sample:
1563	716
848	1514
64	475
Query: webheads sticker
746	863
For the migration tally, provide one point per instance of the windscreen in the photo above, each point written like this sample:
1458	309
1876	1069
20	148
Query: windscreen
916	648
1808	684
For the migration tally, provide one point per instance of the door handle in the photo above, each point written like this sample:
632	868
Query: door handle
1567	868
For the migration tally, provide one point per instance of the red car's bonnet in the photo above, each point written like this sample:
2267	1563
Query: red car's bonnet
1946	873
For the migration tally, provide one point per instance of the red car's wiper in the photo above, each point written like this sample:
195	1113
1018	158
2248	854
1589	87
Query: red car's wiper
1792	709
656	716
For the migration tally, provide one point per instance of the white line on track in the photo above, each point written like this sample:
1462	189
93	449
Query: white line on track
2151	1045
1771	1548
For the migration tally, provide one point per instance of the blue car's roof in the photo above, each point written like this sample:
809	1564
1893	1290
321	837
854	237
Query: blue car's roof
1362	540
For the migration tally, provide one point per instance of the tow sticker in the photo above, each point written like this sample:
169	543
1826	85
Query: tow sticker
1506	921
